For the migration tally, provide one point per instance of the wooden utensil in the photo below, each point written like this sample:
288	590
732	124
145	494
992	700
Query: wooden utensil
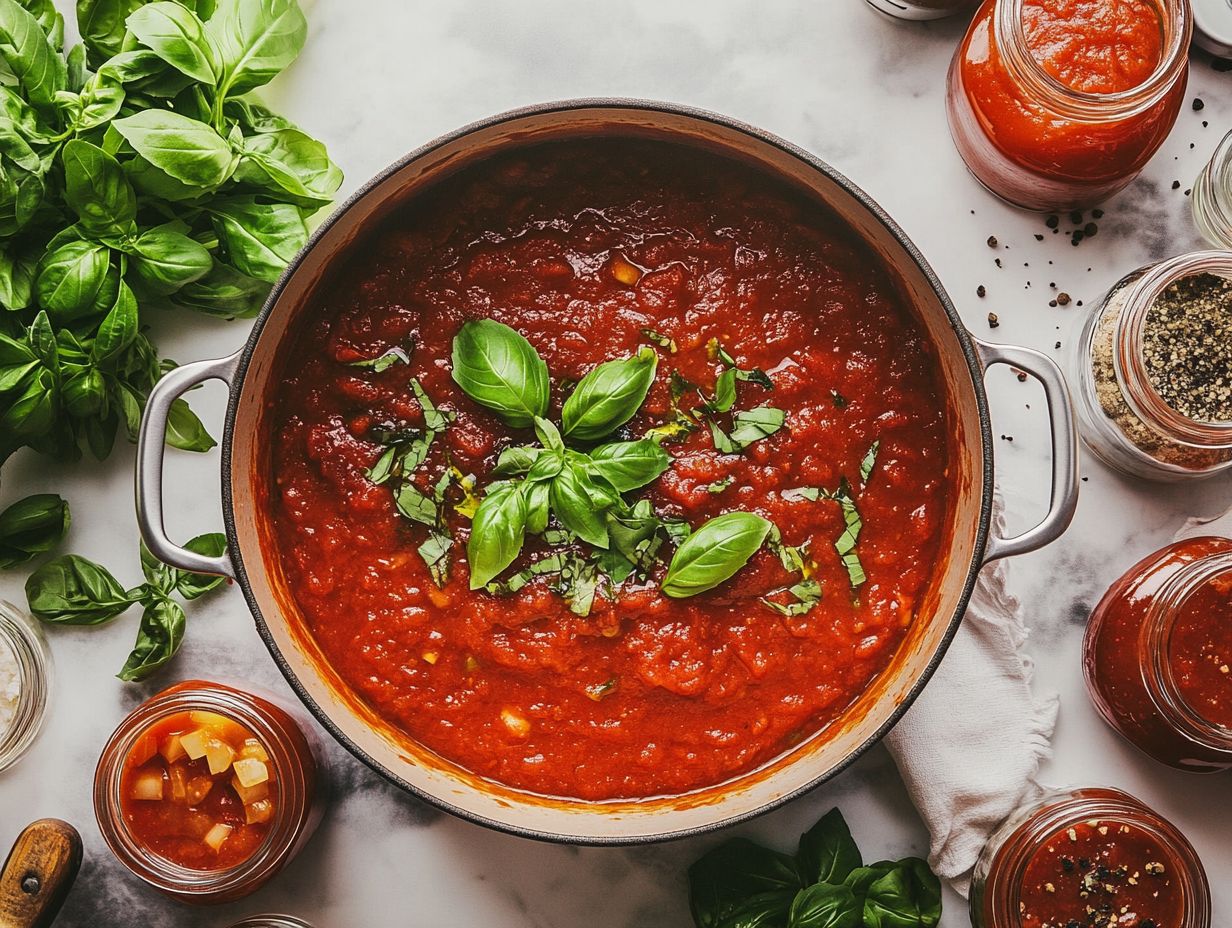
38	874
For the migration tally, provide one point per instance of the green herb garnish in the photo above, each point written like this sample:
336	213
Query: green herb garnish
714	552
824	884
500	370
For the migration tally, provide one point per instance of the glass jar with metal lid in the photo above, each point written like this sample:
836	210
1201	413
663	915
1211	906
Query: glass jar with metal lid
25	682
1150	371
922	9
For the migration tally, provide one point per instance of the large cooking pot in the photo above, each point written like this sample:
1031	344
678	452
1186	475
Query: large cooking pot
255	566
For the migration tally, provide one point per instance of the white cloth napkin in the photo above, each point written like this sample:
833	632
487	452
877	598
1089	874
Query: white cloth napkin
971	744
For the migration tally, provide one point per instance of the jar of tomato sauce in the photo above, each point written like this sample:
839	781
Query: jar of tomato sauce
1058	104
1158	655
1094	857
206	791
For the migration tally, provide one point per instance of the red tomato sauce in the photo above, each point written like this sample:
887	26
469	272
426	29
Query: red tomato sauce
1102	873
193	800
1201	650
1091	46
645	695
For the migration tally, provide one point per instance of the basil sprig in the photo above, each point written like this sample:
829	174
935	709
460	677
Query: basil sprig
501	371
714	552
72	590
823	885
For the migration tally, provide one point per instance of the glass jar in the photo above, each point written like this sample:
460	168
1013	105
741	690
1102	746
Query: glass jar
22	638
1154	666
1081	854
920	10
272	921
1212	196
1122	417
293	752
1039	142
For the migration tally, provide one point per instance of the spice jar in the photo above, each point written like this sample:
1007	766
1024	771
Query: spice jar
1092	857
206	791
25	683
1151	371
921	9
1212	195
1158	655
1058	125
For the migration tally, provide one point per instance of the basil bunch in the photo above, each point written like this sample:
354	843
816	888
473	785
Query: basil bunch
72	590
741	884
583	488
31	527
134	173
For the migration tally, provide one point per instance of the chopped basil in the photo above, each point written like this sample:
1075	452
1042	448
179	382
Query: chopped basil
840	401
598	690
748	426
720	485
670	432
551	564
435	552
414	505
578	582
805	595
869	462
383	362
661	340
434	419
846	544
812	494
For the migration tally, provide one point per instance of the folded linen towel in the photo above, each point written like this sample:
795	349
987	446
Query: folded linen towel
969	748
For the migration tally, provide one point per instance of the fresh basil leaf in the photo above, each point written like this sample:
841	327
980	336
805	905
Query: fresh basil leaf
577	583
30	57
256	40
827	852
545	467
724	392
869	461
846	544
177	36
159	576
545	566
71	590
71	277
224	292
547	433
164	260
516	460
580	505
764	910
435	552
30	527
725	877
538	506
861	878
609	396
101	25
96	188
500	370
891	901
158	639
825	905
714	489
635	541
292	165
186	150
714	553
117	331
497	532
659	339
414	505
628	465
184	429
84	393
16	280
131	66
31	411
261	238
383	361
192	585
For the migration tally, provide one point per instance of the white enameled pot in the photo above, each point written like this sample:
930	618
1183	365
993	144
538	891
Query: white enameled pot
245	464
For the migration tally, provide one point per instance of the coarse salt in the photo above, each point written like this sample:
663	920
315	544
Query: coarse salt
10	687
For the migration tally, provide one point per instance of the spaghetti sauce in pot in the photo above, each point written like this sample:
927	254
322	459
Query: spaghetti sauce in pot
594	250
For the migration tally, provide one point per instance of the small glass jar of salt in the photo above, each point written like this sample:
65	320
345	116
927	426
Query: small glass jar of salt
25	682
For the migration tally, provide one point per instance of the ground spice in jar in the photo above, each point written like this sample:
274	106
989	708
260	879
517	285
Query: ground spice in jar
1186	337
1187	346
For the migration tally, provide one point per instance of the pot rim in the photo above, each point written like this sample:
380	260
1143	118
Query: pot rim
965	340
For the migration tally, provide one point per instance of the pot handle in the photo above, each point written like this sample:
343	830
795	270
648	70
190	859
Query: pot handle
1064	499
151	443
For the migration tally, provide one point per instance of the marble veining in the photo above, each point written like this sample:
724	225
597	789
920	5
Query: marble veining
866	93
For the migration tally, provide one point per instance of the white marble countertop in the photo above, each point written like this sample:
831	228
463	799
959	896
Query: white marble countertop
381	77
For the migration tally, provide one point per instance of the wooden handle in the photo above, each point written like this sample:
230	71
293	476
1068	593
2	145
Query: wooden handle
39	871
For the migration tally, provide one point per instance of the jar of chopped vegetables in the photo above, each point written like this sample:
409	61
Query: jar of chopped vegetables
1152	374
206	791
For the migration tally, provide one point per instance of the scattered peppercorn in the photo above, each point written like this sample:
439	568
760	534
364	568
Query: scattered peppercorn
1038	237
1198	105
997	261
1176	185
1063	298
993	321
1052	221
992	241
981	291
1097	214
1090	229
